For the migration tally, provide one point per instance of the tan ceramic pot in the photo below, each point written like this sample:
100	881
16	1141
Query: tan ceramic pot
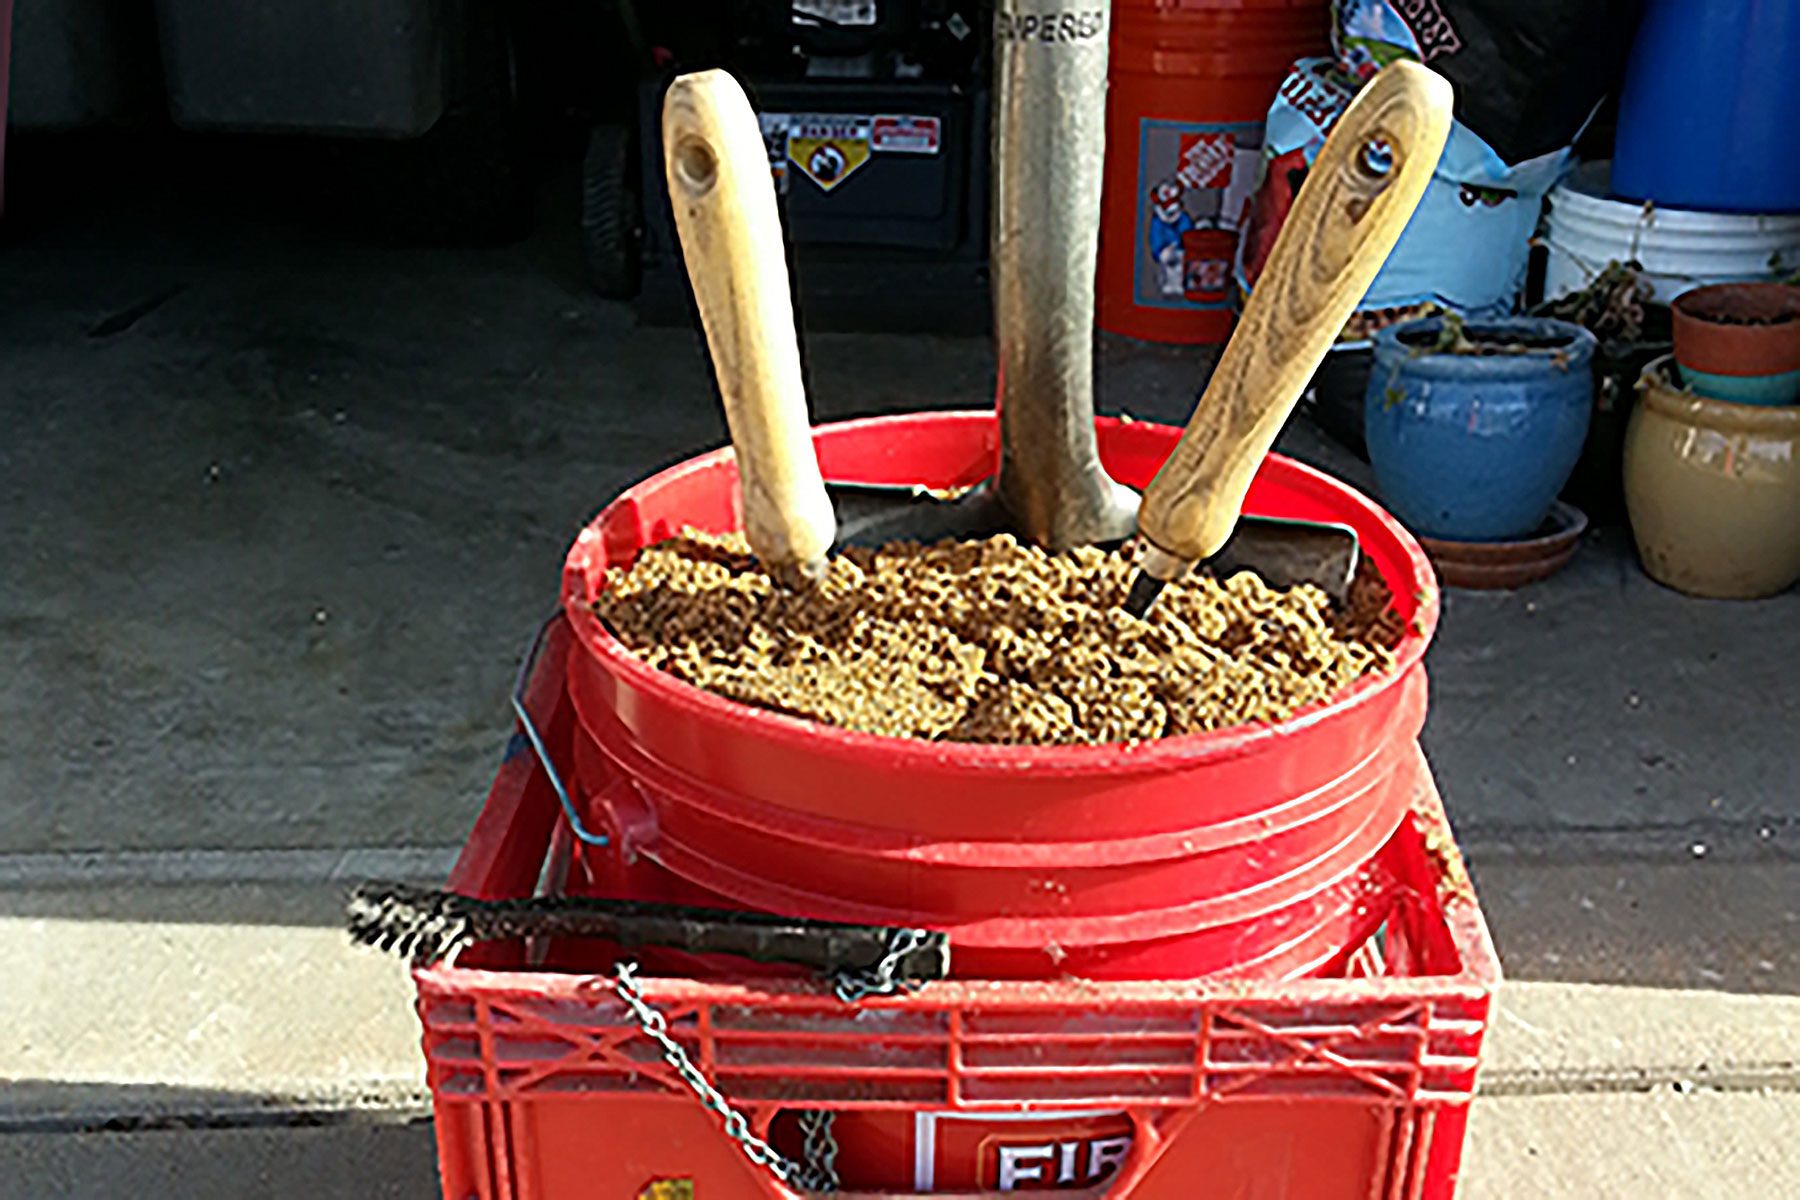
1714	490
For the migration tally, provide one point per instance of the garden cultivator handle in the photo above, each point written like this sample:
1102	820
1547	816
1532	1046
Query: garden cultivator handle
724	204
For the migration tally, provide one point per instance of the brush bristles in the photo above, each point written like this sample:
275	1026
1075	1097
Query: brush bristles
426	926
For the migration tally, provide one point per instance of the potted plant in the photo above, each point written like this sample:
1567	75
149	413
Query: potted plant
1473	428
1740	342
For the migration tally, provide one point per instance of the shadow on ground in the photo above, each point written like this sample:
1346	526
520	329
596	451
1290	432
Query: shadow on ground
205	1154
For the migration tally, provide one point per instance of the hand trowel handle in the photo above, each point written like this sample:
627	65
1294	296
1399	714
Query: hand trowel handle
1358	196
724	204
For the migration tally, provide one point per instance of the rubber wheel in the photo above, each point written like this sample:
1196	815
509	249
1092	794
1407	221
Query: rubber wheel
610	212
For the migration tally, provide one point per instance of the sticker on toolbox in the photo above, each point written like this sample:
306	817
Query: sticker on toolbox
775	136
828	148
895	134
668	1189
839	12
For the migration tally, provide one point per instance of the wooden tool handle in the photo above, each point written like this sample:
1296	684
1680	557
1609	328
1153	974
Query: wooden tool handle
724	203
1362	189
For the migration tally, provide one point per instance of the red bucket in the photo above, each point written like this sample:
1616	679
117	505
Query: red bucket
1207	255
1233	852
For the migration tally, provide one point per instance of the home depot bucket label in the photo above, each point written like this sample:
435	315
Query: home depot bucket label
1193	183
828	148
894	134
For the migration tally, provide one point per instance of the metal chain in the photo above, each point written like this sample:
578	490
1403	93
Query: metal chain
881	979
737	1126
821	1146
819	1172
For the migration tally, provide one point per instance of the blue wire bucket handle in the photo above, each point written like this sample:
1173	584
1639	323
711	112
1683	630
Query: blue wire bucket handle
526	668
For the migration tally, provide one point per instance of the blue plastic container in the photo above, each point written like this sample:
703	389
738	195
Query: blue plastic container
1709	117
1476	447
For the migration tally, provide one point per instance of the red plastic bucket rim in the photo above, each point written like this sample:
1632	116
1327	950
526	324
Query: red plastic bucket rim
1109	759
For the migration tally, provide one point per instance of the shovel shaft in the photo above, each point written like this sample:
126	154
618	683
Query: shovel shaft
1049	156
1362	189
724	204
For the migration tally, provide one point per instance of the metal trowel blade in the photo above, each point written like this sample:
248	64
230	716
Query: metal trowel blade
1284	553
1288	553
874	514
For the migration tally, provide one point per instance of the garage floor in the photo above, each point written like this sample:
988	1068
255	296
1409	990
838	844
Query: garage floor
278	511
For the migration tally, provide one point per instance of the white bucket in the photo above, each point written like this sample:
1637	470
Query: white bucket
1678	248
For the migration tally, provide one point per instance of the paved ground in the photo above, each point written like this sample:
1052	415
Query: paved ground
1698	1146
280	510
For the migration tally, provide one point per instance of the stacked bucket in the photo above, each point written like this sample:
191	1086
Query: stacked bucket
1238	853
1242	853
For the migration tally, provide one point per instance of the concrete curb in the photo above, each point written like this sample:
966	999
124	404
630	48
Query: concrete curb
98	869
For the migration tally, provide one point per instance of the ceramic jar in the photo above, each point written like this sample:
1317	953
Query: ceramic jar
1713	489
1475	446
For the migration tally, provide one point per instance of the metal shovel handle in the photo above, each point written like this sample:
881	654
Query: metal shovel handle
1050	157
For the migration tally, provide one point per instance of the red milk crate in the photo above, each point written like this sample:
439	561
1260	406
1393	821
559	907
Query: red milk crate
1354	1086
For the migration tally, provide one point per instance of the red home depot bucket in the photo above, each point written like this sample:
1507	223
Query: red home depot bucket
1191	83
1236	851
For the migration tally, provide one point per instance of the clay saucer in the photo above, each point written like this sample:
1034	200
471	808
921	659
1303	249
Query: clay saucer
1492	565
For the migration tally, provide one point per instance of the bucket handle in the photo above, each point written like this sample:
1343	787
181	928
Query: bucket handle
526	667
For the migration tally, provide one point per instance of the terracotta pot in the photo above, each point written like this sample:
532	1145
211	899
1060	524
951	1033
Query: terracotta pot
1510	564
1714	490
1740	342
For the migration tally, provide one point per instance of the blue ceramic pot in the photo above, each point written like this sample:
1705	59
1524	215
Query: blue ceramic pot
1475	447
